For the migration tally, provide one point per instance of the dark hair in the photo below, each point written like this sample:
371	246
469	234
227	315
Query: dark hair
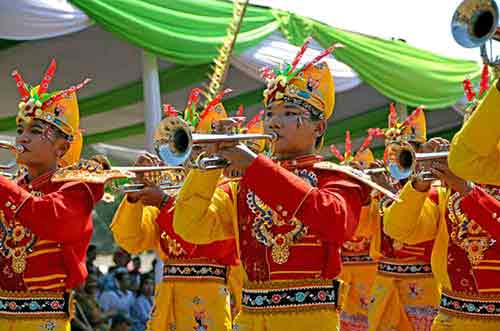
144	279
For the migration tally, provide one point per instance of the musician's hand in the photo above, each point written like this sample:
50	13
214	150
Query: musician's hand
149	196
147	160
381	178
227	125
448	178
435	145
240	158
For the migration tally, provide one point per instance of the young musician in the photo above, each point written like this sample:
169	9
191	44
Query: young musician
461	218
358	268
45	227
405	294
288	219
197	279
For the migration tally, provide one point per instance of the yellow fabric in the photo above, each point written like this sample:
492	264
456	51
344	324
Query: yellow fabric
235	284
322	320
376	231
178	302
203	212
403	304
417	219
135	229
30	324
475	149
217	113
358	279
452	322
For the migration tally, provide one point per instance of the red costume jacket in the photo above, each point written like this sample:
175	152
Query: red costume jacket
45	230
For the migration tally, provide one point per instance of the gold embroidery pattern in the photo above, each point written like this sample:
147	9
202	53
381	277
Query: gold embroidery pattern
466	233
357	244
266	219
174	248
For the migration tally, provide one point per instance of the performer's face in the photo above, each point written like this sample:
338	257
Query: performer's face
297	133
43	145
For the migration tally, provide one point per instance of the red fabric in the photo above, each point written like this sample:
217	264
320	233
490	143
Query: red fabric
484	209
63	214
336	202
330	211
222	252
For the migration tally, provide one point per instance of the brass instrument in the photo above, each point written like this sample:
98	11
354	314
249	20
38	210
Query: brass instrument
474	23
401	160
14	149
174	142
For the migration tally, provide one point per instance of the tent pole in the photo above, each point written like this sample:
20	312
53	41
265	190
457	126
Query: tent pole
152	98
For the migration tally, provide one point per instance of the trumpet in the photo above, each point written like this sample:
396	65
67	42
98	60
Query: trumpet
166	177
174	142
401	160
474	23
14	149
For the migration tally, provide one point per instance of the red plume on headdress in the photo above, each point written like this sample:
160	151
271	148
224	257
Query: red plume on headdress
256	119
336	153
410	120
393	116
485	81
299	55
241	111
65	93
170	111
21	86
469	92
216	100
47	78
366	143
348	146
323	54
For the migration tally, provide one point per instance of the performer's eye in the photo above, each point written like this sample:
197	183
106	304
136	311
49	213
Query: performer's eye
269	114
290	113
19	131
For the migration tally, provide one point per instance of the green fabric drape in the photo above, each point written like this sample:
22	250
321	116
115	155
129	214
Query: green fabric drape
184	31
397	70
189	31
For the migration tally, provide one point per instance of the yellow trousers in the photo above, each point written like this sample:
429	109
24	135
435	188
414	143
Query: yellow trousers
32	324
403	303
317	320
445	321
358	280
191	305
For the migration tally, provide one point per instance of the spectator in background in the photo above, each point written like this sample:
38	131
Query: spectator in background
135	273
88	313
91	257
143	304
120	323
121	259
120	298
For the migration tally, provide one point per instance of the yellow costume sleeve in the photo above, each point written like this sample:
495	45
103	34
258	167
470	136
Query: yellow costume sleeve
414	219
204	213
475	149
376	239
134	227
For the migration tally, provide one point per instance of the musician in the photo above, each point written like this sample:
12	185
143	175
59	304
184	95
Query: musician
45	227
475	149
287	218
197	279
462	218
404	295
358	268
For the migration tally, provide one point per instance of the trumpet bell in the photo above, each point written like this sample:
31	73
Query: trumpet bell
474	22
173	141
400	160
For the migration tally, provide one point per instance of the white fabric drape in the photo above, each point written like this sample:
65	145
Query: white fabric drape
39	19
276	48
